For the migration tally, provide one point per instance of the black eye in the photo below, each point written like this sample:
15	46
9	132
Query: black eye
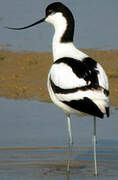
49	11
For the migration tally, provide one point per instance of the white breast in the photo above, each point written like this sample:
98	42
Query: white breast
66	50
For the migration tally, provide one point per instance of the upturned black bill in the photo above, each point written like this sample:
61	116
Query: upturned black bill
25	27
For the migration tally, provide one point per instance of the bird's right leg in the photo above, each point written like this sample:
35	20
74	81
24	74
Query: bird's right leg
70	141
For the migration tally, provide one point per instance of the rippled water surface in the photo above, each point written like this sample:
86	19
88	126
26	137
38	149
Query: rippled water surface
33	143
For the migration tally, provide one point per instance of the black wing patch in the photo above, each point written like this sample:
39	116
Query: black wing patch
85	105
85	69
59	90
107	111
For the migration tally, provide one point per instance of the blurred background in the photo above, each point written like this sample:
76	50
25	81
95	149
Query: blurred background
96	24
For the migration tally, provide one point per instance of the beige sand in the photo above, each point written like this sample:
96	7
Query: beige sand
23	75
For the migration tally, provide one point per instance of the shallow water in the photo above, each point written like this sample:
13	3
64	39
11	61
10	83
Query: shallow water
33	143
96	24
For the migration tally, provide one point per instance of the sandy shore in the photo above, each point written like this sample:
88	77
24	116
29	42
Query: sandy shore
23	75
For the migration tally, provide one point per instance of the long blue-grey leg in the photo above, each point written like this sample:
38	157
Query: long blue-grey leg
94	145
70	141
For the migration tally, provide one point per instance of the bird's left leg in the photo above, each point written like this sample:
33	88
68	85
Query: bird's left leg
70	140
94	145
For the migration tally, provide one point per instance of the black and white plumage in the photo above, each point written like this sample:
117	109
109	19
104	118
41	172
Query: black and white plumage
76	83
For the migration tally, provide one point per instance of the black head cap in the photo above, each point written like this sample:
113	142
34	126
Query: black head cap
57	7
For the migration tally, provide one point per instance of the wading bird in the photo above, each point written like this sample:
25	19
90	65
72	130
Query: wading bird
76	83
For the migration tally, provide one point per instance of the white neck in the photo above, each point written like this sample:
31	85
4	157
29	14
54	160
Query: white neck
61	50
66	49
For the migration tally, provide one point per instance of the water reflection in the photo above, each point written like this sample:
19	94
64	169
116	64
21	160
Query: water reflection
67	175
52	162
